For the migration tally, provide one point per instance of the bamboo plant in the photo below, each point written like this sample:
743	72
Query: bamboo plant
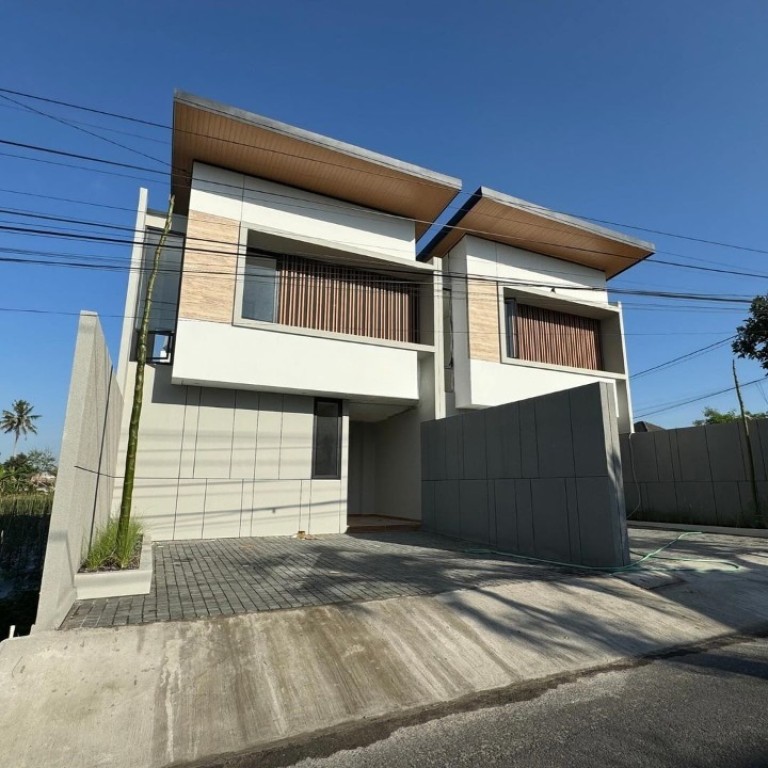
123	525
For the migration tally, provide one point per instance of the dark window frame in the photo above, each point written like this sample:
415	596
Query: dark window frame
170	337
336	475
510	317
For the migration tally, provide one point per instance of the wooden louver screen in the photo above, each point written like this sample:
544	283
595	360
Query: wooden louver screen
546	336
339	299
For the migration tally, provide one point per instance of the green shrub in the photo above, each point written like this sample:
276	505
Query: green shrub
103	553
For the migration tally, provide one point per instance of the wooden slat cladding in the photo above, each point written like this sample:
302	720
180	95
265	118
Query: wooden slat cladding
210	266
326	297
218	135
559	338
483	320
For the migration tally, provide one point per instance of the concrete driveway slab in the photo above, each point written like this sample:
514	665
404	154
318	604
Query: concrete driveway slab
172	692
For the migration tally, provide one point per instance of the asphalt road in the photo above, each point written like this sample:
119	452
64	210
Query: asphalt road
707	709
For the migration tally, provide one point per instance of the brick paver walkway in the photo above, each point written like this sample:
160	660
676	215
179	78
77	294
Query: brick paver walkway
201	579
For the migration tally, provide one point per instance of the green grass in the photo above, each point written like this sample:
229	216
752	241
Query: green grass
103	553
26	503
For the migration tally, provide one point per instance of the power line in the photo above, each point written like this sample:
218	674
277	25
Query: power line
33	214
78	156
84	124
76	313
82	108
683	358
681	403
665	262
106	113
88	132
104	239
71	200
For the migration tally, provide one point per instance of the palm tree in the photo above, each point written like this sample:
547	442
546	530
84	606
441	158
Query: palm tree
20	420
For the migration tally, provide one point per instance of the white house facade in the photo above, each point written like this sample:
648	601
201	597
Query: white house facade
299	338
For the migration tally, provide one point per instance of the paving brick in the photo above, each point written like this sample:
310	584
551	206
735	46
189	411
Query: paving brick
200	579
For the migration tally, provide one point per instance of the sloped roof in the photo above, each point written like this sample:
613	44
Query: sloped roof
231	138
504	219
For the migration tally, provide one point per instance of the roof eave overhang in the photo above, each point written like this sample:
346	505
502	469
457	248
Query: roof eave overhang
209	132
511	221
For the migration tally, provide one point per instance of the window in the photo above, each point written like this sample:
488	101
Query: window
326	448
260	289
557	338
159	346
509	315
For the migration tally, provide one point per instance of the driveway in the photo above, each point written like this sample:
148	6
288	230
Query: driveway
223	577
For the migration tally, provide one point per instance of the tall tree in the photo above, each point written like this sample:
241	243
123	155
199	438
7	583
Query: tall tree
138	391
752	337
20	420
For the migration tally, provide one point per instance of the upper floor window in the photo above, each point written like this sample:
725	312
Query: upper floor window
548	336
260	286
329	296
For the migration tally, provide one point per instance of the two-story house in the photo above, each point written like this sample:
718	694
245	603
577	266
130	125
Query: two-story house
526	309
299	339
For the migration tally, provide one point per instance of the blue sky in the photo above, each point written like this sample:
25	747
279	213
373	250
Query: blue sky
649	114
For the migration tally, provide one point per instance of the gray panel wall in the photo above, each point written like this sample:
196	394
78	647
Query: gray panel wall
696	475
214	463
538	477
85	482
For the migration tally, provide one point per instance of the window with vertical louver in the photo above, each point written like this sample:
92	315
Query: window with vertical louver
546	336
341	299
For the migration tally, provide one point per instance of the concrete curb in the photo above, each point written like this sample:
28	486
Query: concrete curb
751	533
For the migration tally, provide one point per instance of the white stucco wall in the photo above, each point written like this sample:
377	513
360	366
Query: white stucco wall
217	463
494	384
480	383
482	257
297	214
221	355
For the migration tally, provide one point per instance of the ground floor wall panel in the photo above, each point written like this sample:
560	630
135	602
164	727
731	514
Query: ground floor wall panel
216	463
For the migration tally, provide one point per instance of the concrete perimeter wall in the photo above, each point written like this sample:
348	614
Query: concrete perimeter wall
538	477
696	475
84	484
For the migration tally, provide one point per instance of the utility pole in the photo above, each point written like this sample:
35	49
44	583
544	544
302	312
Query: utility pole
750	455
138	389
